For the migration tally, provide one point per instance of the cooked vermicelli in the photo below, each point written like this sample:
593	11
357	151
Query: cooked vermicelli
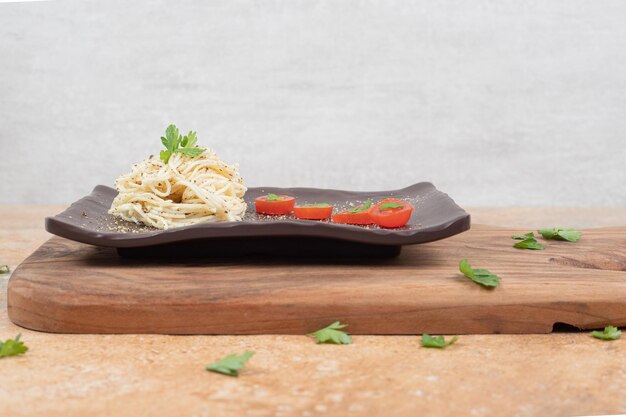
184	190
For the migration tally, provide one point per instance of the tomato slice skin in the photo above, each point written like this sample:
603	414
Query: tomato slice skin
346	217
275	207
313	213
391	218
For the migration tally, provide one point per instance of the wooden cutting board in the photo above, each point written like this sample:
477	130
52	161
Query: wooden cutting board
70	287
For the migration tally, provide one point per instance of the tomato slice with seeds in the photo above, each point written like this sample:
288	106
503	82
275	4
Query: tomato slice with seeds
391	213
274	204
358	215
320	211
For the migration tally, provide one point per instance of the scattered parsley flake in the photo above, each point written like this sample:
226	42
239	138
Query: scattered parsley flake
230	365
12	347
390	205
609	333
558	233
273	197
529	244
361	208
332	334
479	276
4	269
175	142
528	241
524	236
439	342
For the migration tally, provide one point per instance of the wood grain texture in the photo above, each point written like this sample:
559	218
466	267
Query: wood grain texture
69	287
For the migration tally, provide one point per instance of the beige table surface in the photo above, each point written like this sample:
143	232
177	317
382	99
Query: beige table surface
134	375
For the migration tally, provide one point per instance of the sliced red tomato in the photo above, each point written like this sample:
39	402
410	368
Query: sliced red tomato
391	213
274	204
357	215
321	211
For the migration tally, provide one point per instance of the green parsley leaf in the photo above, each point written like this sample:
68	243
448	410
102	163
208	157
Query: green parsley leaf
466	268
193	139
439	342
389	205
570	235
230	365
530	243
524	236
316	205
609	333
175	142
332	334
273	197
190	151
165	156
551	233
360	209
12	347
4	269
558	233
171	139
190	140
479	276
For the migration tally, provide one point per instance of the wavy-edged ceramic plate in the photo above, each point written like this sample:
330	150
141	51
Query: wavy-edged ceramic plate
436	216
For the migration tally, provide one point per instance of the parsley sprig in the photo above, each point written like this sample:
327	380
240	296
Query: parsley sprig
479	276
230	365
609	333
438	342
558	233
12	347
527	241
332	334
175	142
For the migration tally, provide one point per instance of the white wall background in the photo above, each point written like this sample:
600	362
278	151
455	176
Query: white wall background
496	102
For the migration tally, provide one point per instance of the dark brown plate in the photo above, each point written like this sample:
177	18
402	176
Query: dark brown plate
436	216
